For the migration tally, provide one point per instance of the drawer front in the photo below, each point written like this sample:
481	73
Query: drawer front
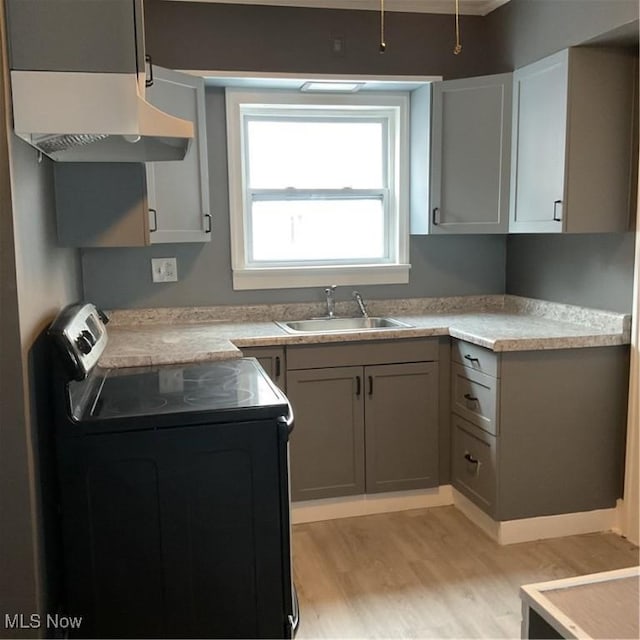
473	464
476	358
316	356
474	396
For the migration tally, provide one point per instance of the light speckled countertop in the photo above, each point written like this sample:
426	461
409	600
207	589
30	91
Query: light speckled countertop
501	323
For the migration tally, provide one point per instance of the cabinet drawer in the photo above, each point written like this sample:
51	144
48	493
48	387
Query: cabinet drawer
315	356
476	358
473	464
474	396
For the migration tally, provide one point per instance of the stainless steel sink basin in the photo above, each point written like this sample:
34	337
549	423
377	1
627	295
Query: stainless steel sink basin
333	325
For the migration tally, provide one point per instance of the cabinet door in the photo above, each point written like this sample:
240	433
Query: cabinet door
178	192
539	144
177	533
111	204
327	443
401	410
470	155
224	532
113	546
272	360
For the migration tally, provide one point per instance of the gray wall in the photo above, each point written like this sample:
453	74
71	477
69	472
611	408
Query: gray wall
526	30
115	278
260	38
235	37
37	279
593	270
589	270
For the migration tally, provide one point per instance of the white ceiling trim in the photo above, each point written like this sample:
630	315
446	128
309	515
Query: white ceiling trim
467	7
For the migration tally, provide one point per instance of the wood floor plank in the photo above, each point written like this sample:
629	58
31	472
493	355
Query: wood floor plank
429	573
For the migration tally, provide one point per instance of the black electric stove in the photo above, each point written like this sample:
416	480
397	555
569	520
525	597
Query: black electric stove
174	493
143	397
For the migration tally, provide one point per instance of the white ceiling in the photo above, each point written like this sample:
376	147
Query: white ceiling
467	7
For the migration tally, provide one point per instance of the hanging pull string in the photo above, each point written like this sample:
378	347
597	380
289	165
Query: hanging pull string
458	48
383	44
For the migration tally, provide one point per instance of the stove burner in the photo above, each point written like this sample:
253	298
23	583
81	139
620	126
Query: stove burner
133	405
213	395
223	373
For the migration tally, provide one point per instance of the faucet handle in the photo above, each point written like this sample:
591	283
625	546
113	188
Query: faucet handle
330	289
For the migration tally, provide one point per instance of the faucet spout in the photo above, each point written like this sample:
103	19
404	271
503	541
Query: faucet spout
360	302
330	292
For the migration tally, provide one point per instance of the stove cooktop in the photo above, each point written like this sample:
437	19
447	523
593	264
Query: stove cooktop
207	387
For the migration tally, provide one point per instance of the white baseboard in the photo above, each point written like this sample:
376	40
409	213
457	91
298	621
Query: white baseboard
364	505
539	528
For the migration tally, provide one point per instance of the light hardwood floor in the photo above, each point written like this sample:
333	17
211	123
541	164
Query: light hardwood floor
429	573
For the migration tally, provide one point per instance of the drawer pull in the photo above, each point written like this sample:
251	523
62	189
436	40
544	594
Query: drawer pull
358	386
470	398
475	462
470	358
469	458
370	385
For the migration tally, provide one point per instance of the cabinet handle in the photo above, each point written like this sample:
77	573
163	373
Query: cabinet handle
149	81
555	211
470	358
277	366
154	214
370	385
470	398
207	217
435	216
358	386
469	458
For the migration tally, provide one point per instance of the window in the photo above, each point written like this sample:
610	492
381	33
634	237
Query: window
318	188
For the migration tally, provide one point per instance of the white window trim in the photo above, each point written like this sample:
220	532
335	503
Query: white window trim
269	277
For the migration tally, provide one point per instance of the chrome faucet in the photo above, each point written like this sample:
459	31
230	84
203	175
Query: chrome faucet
360	302
330	292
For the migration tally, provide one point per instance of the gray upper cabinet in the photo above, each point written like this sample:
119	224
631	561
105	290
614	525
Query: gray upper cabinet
131	205
572	140
76	35
470	155
178	192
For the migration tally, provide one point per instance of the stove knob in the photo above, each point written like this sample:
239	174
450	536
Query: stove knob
89	336
83	344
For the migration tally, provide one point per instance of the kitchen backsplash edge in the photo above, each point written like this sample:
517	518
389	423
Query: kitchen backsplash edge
601	319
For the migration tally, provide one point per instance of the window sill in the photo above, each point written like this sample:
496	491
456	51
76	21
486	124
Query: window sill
297	277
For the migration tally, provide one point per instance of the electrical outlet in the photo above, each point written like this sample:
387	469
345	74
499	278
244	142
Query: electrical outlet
164	269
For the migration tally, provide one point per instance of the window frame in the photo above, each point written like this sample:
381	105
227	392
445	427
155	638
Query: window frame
393	109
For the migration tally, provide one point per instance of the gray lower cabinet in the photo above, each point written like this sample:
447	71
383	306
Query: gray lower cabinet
272	360
544	434
401	426
360	427
134	204
327	443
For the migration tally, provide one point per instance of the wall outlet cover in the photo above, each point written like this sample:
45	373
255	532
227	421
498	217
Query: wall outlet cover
164	270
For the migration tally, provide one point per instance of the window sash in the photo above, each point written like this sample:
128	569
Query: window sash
327	114
258	195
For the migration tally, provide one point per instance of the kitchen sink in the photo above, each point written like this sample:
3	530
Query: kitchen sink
330	325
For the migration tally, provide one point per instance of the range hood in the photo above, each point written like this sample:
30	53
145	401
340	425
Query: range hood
94	117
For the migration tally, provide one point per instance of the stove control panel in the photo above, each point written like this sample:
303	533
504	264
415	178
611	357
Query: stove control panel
80	331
